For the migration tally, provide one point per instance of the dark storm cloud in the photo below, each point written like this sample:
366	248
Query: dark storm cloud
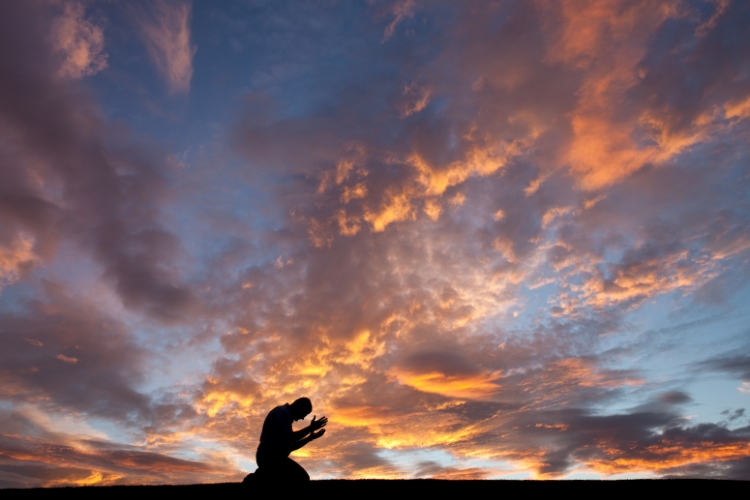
447	362
711	69
359	457
734	415
60	353
736	365
674	398
639	441
72	180
436	471
738	470
68	175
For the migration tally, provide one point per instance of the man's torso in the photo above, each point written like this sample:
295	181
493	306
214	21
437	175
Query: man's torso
276	436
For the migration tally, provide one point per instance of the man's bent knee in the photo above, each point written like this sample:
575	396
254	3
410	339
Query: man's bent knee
286	470
296	472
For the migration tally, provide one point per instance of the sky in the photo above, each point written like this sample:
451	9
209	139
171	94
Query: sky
488	239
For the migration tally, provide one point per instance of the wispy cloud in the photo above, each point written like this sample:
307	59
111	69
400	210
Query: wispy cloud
402	9
165	26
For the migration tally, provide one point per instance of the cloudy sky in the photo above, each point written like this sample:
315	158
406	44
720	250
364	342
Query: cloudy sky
488	239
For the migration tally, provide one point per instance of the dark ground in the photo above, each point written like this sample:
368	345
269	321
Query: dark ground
368	487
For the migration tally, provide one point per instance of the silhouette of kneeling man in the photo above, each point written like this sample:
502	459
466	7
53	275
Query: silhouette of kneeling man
278	440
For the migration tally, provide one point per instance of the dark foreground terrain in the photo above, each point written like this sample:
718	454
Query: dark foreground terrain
368	487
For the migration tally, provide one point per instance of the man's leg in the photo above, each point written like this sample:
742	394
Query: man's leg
274	468
295	472
270	467
271	472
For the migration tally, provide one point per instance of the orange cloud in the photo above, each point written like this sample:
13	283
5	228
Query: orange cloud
353	193
399	203
66	359
608	39
363	416
14	257
648	278
474	386
738	109
433	209
415	99
396	207
479	161
348	226
666	455
216	401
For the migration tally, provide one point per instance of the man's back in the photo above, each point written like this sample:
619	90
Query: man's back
276	436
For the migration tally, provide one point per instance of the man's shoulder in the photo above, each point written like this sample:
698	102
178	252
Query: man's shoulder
280	411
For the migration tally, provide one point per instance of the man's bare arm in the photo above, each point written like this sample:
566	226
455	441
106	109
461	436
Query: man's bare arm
314	426
300	434
302	442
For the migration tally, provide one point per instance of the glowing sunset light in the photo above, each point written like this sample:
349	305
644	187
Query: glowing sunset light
487	239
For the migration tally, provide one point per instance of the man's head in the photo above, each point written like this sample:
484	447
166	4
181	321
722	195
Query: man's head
301	408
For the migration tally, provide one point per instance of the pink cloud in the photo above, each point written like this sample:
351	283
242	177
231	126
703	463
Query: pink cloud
166	33
79	41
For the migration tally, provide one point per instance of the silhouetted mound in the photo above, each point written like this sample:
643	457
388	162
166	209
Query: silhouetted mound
265	476
368	487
